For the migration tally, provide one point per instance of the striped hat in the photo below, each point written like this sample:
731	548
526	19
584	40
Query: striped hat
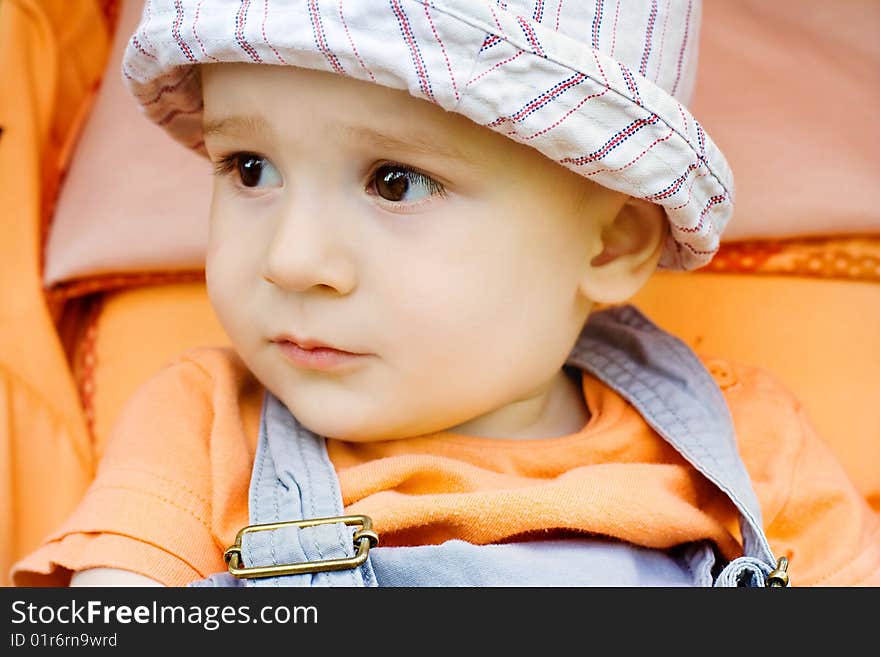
599	86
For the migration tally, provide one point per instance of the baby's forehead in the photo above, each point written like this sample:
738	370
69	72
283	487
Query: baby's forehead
249	100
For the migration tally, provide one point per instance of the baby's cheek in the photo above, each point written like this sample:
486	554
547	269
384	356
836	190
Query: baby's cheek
449	308
232	299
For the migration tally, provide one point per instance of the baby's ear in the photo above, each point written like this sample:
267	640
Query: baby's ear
631	246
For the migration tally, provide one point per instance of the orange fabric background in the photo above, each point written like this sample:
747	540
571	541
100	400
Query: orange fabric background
51	58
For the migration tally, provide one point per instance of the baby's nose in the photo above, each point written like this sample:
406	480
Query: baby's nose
307	251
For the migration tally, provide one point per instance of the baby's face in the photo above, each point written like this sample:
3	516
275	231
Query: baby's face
447	256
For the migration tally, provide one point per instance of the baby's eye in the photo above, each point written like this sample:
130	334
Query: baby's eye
250	169
399	183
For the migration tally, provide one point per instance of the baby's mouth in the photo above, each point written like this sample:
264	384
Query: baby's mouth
314	355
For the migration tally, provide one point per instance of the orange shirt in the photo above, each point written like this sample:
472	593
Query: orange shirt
172	489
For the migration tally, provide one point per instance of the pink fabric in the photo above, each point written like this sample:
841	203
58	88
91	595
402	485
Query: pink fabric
133	200
794	86
791	86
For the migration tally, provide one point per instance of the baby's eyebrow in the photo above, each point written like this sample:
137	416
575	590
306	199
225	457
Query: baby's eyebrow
238	126
257	126
412	143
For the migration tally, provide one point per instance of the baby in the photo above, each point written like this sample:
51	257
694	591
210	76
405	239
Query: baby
427	217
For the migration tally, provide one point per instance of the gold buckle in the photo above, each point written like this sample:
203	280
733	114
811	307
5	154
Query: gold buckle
779	576
363	540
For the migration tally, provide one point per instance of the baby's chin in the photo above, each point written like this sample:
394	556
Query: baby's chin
352	417
354	430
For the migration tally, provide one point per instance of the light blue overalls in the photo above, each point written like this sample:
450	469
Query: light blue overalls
293	479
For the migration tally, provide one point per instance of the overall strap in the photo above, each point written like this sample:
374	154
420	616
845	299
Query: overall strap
293	479
670	387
